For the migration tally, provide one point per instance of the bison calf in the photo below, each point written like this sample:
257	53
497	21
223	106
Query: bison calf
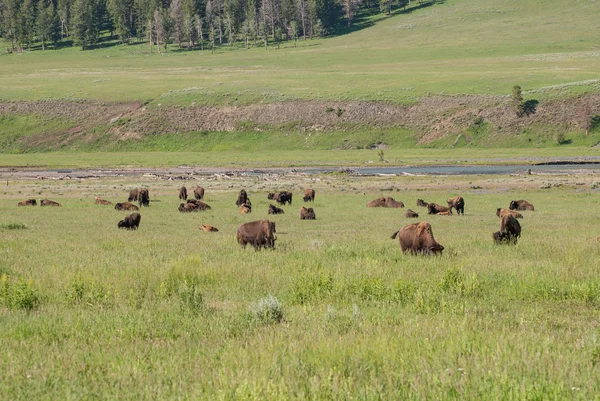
207	228
245	208
260	234
418	238
99	201
457	203
130	222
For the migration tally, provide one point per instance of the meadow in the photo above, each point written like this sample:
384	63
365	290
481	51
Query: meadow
88	311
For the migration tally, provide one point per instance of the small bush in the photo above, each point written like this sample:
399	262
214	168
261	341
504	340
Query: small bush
267	310
594	122
13	226
18	294
339	112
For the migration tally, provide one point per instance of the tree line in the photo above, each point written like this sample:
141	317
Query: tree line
188	23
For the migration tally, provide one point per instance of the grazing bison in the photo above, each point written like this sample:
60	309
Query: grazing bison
201	205
100	201
418	238
260	234
434	208
208	228
521	205
28	202
48	202
133	195
393	203
379	202
245	208
457	203
281	197
422	203
410	214
510	231
183	193
144	197
309	195
130	222
506	212
199	192
307	214
188	207
275	210
126	206
242	198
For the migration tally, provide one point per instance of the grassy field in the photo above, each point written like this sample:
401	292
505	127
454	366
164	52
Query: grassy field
169	312
460	46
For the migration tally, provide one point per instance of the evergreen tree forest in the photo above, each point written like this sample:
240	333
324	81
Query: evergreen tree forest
189	24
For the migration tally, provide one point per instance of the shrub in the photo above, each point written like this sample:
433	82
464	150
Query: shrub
13	226
18	294
267	310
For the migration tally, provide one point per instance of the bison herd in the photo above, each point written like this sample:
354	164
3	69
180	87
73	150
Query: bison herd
416	238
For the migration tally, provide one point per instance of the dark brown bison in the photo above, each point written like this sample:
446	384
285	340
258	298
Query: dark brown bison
379	202
144	197
275	210
281	197
126	206
520	205
48	202
260	234
28	202
457	203
307	214
99	201
130	222
242	198
199	192
183	193
510	231
188	207
309	195
434	208
245	208
410	214
133	195
208	228
201	205
393	203
418	238
422	203
506	212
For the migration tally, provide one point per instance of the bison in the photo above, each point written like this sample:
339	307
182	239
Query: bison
260	234
201	205
379	202
188	207
126	206
183	193
281	197
133	195
393	203
48	202
510	231
199	192
245	208
242	198
307	214
275	210
448	213
418	238
520	205
28	202
208	229
457	203
130	222
144	197
505	212
434	208
309	195
422	203
99	201
410	214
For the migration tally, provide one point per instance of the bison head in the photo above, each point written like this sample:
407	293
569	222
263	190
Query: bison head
121	224
271	196
513	205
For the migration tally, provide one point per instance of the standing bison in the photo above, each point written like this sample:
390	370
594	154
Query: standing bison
183	193
199	193
141	195
281	197
242	198
28	202
130	222
309	195
260	234
418	238
520	205
510	231
307	214
458	203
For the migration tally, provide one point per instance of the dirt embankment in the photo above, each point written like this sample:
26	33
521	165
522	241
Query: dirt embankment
431	118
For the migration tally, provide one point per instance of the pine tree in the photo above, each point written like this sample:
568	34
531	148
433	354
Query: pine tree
46	23
26	28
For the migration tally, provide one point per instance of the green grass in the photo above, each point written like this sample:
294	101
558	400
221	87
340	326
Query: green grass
171	312
461	46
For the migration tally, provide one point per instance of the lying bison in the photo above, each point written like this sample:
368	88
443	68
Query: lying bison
260	234
379	202
281	197
201	205
48	202
130	222
307	214
418	238
242	198
506	212
183	193
520	205
434	208
458	203
309	195
275	210
208	229
199	192
422	203
385	202
28	202
510	231
411	214
126	206
99	201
